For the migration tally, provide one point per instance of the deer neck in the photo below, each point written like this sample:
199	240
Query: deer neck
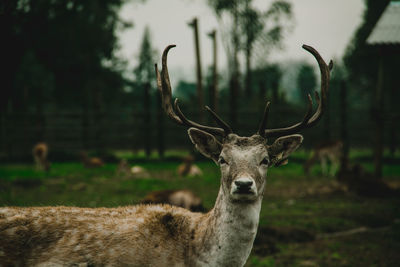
228	232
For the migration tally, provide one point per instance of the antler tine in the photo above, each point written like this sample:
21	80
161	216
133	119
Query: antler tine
309	119
264	120
219	121
164	87
212	130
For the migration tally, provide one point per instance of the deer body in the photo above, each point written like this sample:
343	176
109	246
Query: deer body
188	168
327	151
40	152
62	236
149	235
181	198
90	162
162	235
144	235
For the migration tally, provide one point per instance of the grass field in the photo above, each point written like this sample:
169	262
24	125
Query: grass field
305	221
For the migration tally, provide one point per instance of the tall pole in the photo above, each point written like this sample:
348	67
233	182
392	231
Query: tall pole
343	128
160	128
194	25
146	119
378	109
234	81
214	85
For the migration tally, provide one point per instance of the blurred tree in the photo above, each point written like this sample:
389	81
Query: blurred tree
267	79
306	81
361	59
70	43
212	75
186	92
232	43
144	74
263	31
373	78
249	29
200	98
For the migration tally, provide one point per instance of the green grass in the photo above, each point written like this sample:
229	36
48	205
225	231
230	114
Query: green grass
313	204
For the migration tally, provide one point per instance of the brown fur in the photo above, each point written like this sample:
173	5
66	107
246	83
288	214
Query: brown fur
40	152
68	236
323	152
123	168
181	198
91	162
188	168
146	235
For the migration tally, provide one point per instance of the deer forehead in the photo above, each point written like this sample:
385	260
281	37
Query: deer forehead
244	148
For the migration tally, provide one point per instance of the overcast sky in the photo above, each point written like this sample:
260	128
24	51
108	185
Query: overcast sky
328	25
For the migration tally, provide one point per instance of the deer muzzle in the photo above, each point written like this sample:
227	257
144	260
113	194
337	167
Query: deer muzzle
244	187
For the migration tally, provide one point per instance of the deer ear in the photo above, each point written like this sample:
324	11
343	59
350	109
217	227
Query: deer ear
280	150
205	143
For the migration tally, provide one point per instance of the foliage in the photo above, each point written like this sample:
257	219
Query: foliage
251	27
61	49
306	81
186	91
267	79
144	71
362	59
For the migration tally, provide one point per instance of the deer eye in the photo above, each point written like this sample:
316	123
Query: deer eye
265	161
221	161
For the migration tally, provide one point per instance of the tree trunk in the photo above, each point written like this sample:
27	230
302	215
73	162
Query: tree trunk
248	72
147	120
200	102
327	119
393	121
379	123
344	166
234	85
160	128
214	85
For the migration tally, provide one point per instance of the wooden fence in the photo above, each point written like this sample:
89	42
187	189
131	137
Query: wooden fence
67	133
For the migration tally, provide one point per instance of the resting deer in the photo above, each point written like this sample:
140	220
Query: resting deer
90	162
163	235
180	198
326	151
127	171
40	152
187	168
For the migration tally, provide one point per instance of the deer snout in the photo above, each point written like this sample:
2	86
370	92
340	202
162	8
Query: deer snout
243	186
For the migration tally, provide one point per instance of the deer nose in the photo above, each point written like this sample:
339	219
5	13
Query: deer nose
243	184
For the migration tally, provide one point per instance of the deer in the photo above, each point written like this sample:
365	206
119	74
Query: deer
323	152
181	198
163	235
40	152
90	162
127	171
187	168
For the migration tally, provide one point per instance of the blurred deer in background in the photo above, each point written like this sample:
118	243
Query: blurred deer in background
181	198
163	235
90	162
188	168
125	170
40	152
323	152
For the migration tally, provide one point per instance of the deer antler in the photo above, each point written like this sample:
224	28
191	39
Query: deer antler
309	119
164	87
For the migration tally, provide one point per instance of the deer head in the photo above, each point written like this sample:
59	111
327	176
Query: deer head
244	160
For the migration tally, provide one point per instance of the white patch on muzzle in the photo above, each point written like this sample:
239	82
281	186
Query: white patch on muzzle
244	187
